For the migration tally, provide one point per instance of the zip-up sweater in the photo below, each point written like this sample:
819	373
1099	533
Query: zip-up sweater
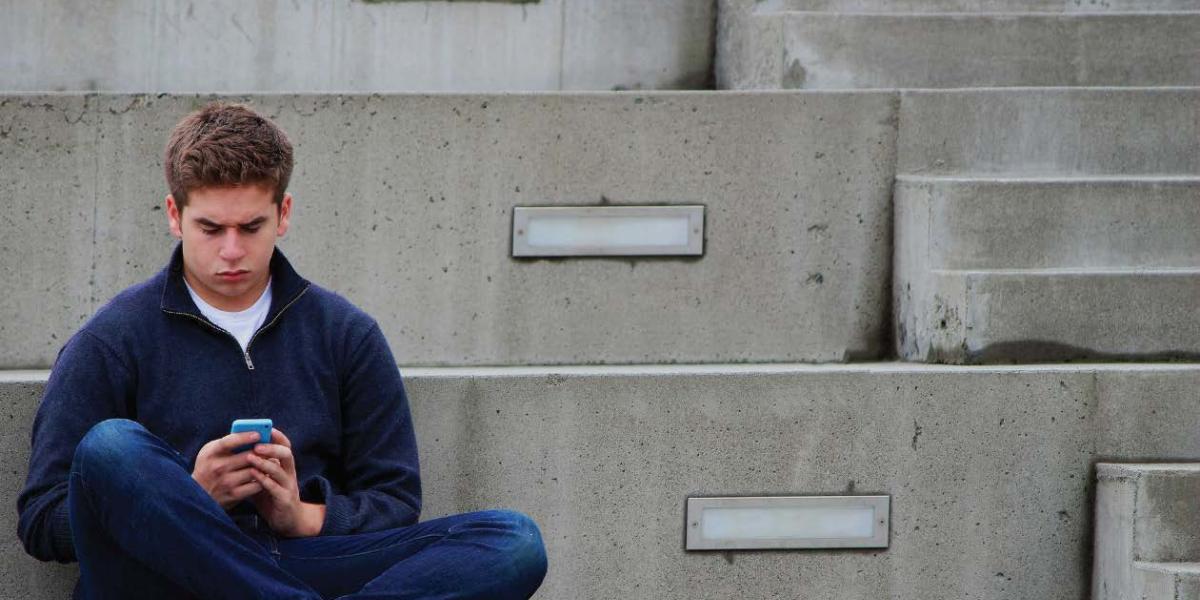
318	366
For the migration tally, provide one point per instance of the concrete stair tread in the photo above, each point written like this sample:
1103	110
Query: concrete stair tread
974	6
988	14
1077	272
1048	179
440	279
1118	470
1189	569
890	50
1019	132
604	457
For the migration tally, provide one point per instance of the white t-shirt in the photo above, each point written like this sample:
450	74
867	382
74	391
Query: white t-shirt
241	324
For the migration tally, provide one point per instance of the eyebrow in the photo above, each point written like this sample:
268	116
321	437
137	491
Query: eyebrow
207	223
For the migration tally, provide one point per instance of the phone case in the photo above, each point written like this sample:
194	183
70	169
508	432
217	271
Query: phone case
262	426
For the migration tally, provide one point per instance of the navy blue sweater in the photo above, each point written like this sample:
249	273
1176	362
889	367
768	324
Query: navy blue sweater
319	367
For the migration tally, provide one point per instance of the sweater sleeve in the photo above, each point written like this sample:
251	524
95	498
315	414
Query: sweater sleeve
381	474
88	384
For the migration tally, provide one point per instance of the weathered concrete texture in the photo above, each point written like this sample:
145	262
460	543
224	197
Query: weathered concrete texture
1003	223
1051	132
404	205
901	49
1146	542
977	6
346	45
863	51
988	468
1020	270
748	55
634	44
1166	581
1018	316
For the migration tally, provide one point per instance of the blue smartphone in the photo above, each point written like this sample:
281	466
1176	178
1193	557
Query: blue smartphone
262	426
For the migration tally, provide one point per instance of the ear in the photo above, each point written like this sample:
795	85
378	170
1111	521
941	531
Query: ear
174	217
285	214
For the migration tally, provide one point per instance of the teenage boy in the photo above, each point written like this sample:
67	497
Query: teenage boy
134	473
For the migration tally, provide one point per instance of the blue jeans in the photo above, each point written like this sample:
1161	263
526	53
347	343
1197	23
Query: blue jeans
143	528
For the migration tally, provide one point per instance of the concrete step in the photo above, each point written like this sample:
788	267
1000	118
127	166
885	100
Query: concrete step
404	204
353	46
989	468
839	51
824	50
976	6
1040	315
1050	132
1167	581
994	269
989	222
1147	541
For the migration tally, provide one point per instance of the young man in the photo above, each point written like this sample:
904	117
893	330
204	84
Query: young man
134	473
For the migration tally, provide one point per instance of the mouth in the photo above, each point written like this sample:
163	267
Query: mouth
229	276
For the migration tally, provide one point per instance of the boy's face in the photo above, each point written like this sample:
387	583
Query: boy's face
228	237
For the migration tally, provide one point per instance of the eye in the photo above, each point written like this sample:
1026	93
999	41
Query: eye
210	231
250	229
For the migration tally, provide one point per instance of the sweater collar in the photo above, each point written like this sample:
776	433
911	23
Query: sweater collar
286	286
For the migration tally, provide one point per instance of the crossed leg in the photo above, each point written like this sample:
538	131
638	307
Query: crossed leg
144	528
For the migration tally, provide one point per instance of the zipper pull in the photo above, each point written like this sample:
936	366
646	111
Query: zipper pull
249	364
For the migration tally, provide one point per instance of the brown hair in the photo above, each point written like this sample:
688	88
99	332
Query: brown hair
226	144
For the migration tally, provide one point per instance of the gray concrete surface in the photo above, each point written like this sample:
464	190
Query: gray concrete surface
1037	223
979	317
976	6
404	204
1051	132
871	44
1146	543
849	51
989	469
349	45
1047	224
1167	581
1020	270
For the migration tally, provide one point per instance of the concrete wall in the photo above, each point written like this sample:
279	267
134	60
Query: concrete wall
1021	270
976	6
1047	225
404	204
989	469
1051	132
872	44
349	45
1146	532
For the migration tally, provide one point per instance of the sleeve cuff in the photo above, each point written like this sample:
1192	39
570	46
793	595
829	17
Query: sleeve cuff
338	520
60	532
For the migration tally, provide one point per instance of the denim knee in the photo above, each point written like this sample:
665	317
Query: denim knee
528	552
107	443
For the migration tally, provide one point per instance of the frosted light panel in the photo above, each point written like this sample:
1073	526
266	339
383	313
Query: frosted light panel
787	522
611	232
608	231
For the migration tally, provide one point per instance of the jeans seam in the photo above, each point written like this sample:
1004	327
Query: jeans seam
363	553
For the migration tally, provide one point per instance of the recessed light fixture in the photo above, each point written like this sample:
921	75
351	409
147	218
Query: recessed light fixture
608	231
781	522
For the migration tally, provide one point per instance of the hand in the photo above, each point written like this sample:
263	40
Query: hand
226	476
279	502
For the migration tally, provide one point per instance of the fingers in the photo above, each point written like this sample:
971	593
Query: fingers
277	437
245	490
277	451
234	441
271	467
269	484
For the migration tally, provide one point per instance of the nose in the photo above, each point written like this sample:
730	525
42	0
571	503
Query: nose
231	247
